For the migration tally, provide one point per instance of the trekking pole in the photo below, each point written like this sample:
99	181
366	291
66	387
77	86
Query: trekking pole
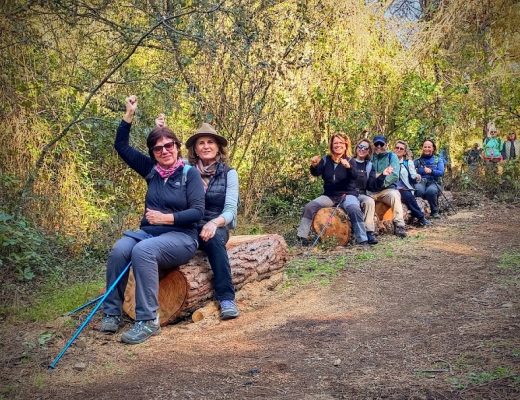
444	196
53	364
88	303
329	221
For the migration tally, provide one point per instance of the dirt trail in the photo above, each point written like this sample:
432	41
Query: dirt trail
432	316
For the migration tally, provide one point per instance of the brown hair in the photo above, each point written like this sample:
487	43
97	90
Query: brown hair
193	157
370	147
348	143
160	132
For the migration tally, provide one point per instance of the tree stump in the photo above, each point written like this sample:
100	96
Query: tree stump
189	287
383	218
334	223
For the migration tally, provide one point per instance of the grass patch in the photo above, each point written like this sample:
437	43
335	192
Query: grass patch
315	268
510	260
484	377
53	301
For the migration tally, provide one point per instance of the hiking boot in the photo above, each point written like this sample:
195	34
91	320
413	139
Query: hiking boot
111	323
400	231
141	331
372	238
303	242
423	222
435	215
228	309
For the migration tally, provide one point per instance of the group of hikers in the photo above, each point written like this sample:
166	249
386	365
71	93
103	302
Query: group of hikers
192	203
494	150
355	179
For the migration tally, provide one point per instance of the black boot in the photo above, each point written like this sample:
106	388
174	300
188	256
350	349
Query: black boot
372	238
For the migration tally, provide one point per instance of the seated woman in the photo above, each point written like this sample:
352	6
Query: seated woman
174	203
431	169
366	180
208	154
338	185
408	177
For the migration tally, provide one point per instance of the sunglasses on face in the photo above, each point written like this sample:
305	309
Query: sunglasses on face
362	147
379	144
167	146
399	148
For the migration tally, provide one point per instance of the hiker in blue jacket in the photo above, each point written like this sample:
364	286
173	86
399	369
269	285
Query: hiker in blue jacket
408	178
338	188
431	168
207	152
386	163
167	238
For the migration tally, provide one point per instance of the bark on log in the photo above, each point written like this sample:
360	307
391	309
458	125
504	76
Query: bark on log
334	223
189	287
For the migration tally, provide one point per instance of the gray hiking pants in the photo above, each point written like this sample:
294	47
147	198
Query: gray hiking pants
166	251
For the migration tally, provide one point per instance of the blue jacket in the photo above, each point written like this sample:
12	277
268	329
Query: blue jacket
435	163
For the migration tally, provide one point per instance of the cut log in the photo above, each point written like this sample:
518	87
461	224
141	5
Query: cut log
189	287
204	312
332	222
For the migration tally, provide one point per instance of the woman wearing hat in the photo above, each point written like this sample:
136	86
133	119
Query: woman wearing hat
174	203
208	154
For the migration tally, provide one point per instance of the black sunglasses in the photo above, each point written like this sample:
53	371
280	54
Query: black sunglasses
168	146
379	144
362	147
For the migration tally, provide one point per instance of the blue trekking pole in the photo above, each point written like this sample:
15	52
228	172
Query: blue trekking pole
88	303
53	364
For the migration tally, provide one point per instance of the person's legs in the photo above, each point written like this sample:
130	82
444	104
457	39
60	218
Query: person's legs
166	251
218	259
420	188
352	206
310	209
408	199
117	260
369	208
431	195
392	198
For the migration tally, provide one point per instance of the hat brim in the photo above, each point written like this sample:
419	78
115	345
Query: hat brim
192	139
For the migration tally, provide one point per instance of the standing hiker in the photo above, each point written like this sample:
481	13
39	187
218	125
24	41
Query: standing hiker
431	169
511	148
492	145
167	238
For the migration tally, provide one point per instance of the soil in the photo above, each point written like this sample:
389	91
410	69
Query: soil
434	316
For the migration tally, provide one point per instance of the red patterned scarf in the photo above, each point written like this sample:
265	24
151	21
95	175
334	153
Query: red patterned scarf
167	172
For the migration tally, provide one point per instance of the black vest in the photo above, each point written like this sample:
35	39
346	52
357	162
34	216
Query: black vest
216	193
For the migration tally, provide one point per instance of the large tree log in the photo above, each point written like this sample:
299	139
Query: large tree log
189	287
332	222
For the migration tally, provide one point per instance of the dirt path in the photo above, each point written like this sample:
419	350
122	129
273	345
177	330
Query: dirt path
434	316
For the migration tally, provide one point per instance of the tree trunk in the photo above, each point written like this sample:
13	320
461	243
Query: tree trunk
332	222
189	287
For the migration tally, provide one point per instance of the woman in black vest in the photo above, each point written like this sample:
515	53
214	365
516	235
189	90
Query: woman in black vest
208	154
